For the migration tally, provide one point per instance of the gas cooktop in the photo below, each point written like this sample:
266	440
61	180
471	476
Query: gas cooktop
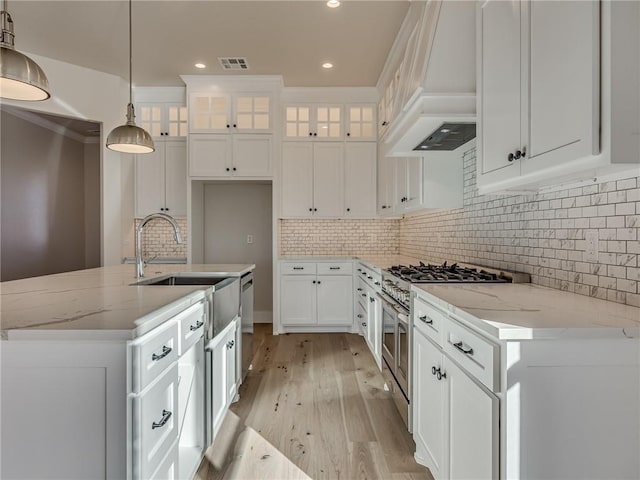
446	274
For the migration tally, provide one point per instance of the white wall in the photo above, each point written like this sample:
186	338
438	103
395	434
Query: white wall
231	212
88	94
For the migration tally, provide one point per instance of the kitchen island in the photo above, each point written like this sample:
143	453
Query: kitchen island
106	378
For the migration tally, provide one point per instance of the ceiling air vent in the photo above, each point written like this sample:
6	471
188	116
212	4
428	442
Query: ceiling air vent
233	63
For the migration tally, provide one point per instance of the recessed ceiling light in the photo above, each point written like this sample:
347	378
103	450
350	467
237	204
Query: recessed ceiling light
424	146
200	65
445	130
333	3
327	65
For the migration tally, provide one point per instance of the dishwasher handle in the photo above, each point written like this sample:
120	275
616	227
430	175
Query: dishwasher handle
247	281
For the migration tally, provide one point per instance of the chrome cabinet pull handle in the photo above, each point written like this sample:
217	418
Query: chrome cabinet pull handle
166	415
195	327
466	351
165	351
334	268
298	268
359	289
424	319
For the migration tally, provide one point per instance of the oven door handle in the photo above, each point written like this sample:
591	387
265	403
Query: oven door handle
391	305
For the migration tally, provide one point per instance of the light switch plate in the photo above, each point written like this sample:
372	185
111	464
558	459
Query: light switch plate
249	239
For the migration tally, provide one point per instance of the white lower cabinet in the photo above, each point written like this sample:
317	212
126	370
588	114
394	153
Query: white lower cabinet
455	419
334	300
155	423
541	407
168	397
369	310
298	299
473	426
322	300
429	406
223	379
168	469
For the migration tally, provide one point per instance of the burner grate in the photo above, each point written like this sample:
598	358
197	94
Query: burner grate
427	273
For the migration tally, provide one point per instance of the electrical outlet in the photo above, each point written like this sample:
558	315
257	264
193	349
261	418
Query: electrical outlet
591	250
249	239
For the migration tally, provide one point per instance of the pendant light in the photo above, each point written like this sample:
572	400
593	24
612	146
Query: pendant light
20	77
129	138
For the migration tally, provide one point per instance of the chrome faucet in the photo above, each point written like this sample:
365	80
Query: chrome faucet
143	222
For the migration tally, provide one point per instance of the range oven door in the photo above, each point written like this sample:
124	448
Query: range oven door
389	314
402	353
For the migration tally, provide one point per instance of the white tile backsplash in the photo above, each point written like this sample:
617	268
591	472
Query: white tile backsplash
158	239
542	234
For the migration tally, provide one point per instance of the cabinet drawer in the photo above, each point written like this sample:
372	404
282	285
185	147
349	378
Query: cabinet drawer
155	423
297	268
192	322
429	320
361	319
168	469
338	268
473	353
153	353
361	292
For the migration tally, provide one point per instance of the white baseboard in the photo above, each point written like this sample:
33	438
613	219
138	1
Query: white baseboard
262	316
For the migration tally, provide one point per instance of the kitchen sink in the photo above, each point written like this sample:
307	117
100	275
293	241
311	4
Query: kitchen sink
183	280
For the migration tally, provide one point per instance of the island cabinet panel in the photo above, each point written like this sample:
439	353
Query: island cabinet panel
62	403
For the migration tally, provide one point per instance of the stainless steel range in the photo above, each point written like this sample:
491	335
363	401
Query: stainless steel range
397	323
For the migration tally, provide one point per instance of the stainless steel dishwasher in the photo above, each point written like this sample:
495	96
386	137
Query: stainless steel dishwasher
246	322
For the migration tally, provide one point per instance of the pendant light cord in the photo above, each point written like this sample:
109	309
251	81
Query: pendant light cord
130	57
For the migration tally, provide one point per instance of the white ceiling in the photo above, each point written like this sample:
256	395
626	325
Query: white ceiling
291	38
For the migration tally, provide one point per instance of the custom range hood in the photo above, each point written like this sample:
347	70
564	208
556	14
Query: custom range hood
437	103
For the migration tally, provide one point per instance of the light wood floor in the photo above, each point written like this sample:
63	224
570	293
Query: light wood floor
313	406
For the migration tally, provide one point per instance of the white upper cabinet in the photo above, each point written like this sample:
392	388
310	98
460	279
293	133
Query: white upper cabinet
409	188
230	113
230	155
313	180
297	179
231	126
360	179
328	180
361	122
386	185
163	119
500	82
541	89
313	122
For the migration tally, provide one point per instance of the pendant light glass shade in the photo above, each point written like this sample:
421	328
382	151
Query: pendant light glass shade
20	77
129	138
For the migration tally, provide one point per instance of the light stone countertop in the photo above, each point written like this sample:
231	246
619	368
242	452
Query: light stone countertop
99	299
522	311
